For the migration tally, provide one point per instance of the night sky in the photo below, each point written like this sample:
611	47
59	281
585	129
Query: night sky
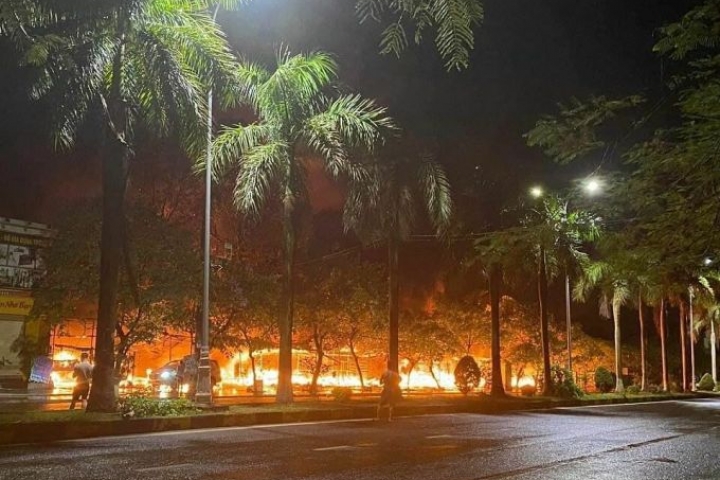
529	56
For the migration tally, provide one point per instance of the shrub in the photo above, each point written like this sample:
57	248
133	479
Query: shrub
528	390
706	383
467	374
341	394
604	380
632	390
138	405
563	384
654	388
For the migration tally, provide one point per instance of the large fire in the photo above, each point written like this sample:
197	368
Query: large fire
236	375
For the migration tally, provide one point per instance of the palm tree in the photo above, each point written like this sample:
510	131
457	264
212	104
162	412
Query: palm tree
387	211
614	285
113	70
494	254
556	233
707	319
298	120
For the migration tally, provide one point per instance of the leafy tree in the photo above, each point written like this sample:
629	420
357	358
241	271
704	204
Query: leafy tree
244	311
385	209
467	318
425	338
157	278
297	119
354	288
116	70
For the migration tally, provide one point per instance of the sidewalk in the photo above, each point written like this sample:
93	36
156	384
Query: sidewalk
46	427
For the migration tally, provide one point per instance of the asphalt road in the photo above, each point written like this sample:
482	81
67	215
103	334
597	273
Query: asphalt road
669	440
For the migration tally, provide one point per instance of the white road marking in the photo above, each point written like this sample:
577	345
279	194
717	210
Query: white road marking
439	436
208	430
330	449
164	467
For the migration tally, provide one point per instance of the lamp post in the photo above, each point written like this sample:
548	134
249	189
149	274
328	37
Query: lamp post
592	186
538	192
203	395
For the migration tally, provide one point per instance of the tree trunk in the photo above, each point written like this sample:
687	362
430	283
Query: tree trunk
643	373
683	350
691	318
663	352
568	323
432	374
114	180
351	344
619	385
115	174
251	356
494	283
713	352
544	328
319	355
284	387
411	367
394	298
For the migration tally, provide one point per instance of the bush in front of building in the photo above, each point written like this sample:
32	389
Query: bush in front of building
604	381
563	383
139	405
633	390
706	383
341	394
467	375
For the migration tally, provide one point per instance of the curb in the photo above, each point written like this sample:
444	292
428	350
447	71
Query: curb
50	432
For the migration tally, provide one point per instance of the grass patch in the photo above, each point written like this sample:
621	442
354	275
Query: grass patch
54	416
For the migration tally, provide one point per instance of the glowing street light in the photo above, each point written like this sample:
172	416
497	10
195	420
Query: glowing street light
536	192
593	186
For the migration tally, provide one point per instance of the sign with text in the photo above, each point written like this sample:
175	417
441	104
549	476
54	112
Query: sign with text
20	262
15	305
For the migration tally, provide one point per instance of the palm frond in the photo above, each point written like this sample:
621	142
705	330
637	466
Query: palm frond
260	166
292	88
455	21
232	143
437	193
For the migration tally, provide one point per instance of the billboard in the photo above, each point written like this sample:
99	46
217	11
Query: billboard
20	259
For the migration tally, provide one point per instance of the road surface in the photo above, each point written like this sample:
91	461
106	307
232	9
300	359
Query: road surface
669	440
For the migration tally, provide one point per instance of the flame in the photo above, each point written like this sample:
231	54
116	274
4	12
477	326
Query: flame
240	380
62	381
526	381
64	356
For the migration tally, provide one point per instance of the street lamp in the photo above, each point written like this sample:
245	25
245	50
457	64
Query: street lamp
593	186
203	392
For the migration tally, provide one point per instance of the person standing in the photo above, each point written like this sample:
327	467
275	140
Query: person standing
82	373
391	393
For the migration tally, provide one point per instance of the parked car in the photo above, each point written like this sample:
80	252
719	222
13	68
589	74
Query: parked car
167	375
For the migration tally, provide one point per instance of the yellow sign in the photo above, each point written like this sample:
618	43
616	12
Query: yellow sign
15	305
